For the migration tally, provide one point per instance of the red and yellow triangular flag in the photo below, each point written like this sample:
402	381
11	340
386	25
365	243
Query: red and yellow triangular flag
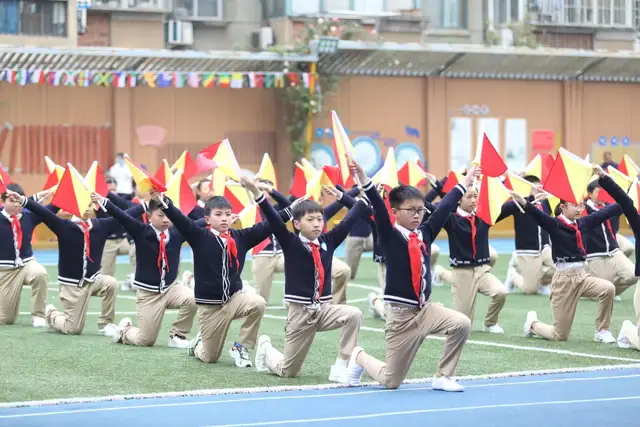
619	178
300	179
518	184
143	180
315	184
186	163
218	182
4	180
628	167
95	181
634	194
219	155
267	171
164	175
388	173
179	191
569	177
237	196
492	195
55	174
72	194
488	159
453	178
342	149
411	173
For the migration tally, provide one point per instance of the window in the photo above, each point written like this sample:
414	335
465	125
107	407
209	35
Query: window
204	9
505	11
454	14
369	6
275	9
33	18
613	13
335	5
304	7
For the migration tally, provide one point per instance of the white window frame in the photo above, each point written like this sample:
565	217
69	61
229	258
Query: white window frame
491	9
611	6
208	18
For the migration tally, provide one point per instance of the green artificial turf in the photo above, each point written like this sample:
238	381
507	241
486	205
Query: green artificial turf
38	364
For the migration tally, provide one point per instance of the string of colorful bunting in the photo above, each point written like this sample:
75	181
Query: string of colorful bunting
155	80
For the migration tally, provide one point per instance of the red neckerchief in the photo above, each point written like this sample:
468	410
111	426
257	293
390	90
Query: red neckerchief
416	246
87	239
16	227
317	263
162	253
574	227
232	248
472	220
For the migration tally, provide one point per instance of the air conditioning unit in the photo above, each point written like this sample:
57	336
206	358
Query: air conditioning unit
266	37
179	33
81	15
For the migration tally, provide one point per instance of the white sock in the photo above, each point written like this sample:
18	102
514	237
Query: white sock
340	363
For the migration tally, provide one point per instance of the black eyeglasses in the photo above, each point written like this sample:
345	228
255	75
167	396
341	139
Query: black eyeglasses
414	211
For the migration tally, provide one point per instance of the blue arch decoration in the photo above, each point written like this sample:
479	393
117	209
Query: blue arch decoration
408	151
322	155
367	152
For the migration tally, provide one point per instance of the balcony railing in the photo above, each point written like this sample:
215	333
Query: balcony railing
133	5
583	13
33	18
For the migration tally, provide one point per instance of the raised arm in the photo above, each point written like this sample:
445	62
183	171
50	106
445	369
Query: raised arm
337	235
276	222
508	209
596	218
51	220
185	225
439	216
130	224
257	233
542	218
282	200
623	200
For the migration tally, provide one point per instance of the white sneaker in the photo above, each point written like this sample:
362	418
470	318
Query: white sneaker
617	299
513	260
623	341
338	373
38	322
122	327
48	310
532	317
445	383
240	355
187	279
354	371
493	329
127	285
109	330
191	349
264	342
604	336
176	341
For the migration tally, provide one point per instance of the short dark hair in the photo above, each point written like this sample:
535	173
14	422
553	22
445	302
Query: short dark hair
110	180
153	206
16	188
216	202
304	207
532	179
592	186
402	193
558	211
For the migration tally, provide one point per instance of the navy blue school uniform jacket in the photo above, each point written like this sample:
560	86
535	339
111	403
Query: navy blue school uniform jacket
567	241
600	241
78	263
153	272
216	270
13	252
629	210
273	247
394	242
530	238
301	285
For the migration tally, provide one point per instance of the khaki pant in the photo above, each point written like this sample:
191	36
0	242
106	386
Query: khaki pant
11	282
215	320
617	269
567	288
355	247
340	273
301	327
75	302
150	308
382	276
263	269
406	328
113	248
493	256
435	254
133	258
534	270
625	245
467	282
